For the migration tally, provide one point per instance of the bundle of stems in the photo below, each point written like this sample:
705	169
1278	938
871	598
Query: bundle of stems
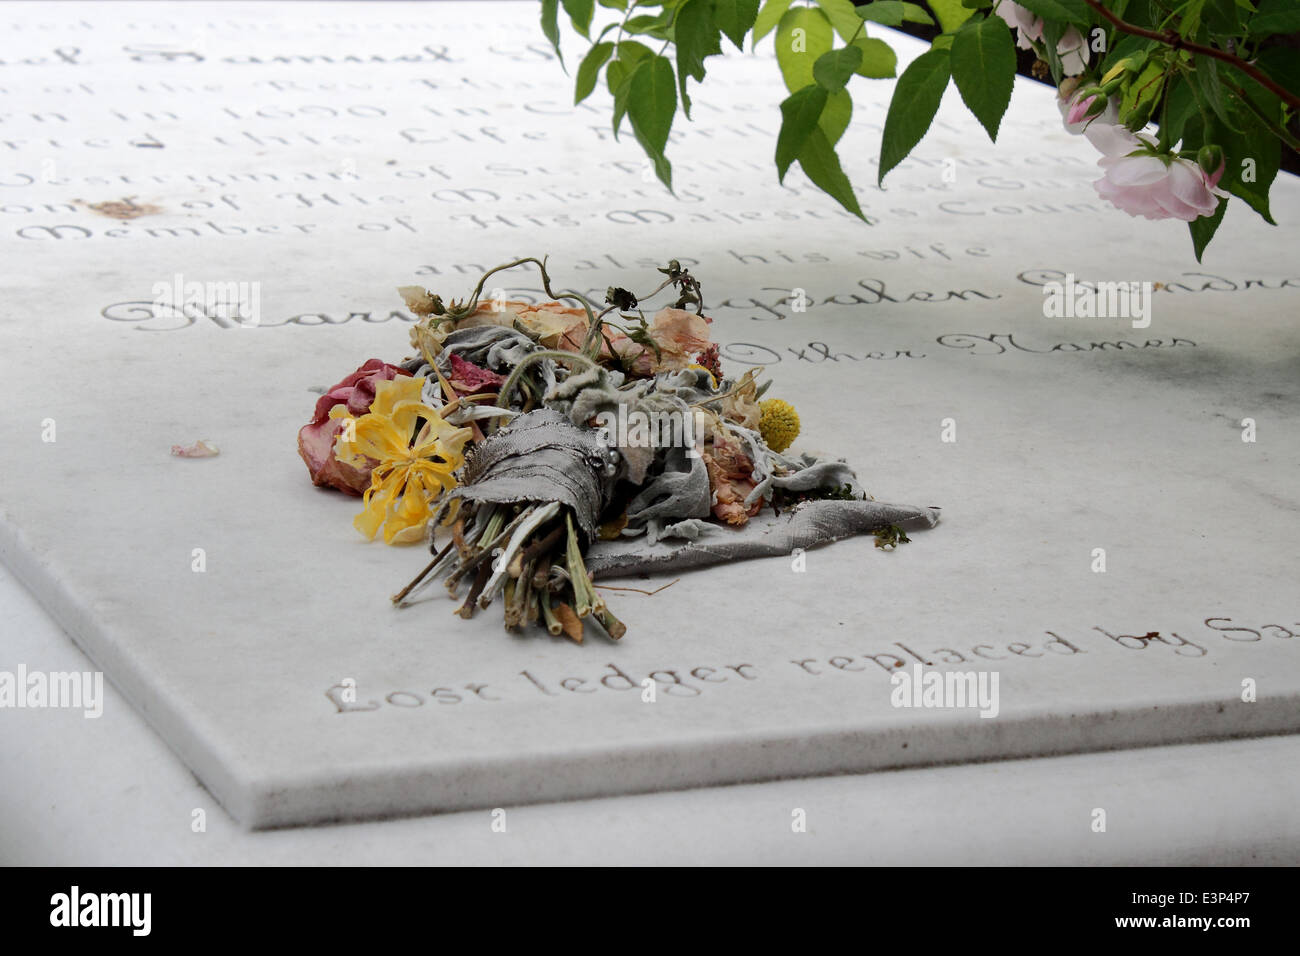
530	555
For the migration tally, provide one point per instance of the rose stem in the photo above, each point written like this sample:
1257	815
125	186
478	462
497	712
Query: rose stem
493	526
480	518
552	622
467	609
509	597
421	576
535	516
522	587
612	625
483	554
543	545
581	595
519	610
458	537
582	579
532	607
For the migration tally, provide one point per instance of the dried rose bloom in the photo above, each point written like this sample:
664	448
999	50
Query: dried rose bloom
316	438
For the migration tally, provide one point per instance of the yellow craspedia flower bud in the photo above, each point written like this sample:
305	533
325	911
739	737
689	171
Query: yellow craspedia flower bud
778	423
712	378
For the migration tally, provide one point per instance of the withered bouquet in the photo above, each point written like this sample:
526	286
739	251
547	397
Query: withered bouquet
534	447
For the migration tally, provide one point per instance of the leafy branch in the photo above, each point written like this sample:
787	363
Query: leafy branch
1178	42
1206	71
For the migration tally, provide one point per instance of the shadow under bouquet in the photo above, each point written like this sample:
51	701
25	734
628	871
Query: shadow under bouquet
536	448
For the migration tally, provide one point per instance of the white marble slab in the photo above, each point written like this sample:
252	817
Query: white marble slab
113	795
1059	451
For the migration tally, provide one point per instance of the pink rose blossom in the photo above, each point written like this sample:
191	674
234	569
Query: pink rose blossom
1073	51
1159	187
1030	25
1111	139
678	334
200	449
1071	48
316	438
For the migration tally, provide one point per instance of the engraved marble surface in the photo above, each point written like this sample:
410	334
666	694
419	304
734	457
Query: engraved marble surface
215	144
111	794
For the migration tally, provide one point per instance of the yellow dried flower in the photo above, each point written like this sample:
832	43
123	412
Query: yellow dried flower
778	423
410	475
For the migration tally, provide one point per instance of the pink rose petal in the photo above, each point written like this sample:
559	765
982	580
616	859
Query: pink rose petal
200	449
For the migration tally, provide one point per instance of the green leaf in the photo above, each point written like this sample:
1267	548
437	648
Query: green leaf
1204	228
551	25
842	16
1282	65
619	75
879	61
768	17
833	70
892	13
651	104
633	52
951	13
580	12
836	116
913	13
1208	89
663	170
614	4
589	70
888	13
1251	161
734	18
1223	17
652	101
1180	106
698	37
912	108
983	59
800	112
1189	18
1275	16
820	164
803	36
1071	11
658	25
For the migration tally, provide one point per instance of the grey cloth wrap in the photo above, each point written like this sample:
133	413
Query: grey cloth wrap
807	525
542	457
